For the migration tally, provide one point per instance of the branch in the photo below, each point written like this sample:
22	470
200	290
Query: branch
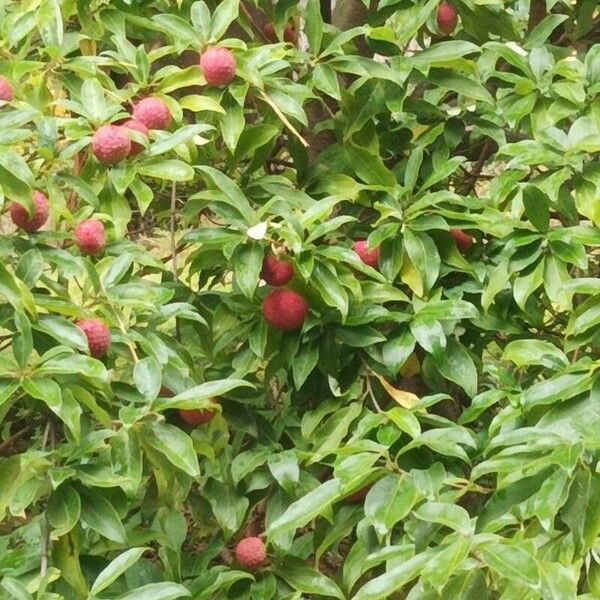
283	118
173	227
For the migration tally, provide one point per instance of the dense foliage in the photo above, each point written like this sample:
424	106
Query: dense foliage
431	430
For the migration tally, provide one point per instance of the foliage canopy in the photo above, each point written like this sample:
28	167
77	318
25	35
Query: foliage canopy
455	383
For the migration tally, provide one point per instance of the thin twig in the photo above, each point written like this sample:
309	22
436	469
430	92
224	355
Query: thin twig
253	22
13	438
283	118
173	227
477	167
45	526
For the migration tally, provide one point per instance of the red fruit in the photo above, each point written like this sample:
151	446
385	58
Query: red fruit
6	90
251	553
97	334
90	236
276	272
165	392
39	215
463	240
369	257
359	495
138	126
111	144
447	18
218	66
289	33
153	113
285	309
197	416
269	31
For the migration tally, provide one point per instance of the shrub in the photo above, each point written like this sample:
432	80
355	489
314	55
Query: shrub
427	429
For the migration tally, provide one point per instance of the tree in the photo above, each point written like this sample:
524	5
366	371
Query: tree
408	409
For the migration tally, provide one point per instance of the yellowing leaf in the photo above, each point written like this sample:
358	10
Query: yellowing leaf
411	277
403	398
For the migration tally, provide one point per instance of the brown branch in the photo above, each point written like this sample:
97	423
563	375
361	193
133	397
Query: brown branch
13	438
253	22
537	12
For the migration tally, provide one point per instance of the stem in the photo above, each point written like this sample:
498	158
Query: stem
284	119
253	22
45	526
173	226
13	438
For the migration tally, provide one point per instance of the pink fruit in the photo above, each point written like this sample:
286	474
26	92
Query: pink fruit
463	240
251	553
6	90
369	257
39	214
218	66
285	309
138	126
90	236
276	272
153	113
97	334
111	144
447	18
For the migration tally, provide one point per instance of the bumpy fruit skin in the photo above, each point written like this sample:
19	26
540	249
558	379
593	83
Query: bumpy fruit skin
39	215
369	257
285	309
463	240
153	113
90	236
447	19
276	272
290	35
218	66
111	144
138	126
251	553
97	334
195	416
6	90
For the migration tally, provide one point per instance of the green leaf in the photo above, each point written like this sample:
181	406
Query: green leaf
537	207
460	84
389	501
61	403
452	516
116	568
99	514
172	170
393	579
306	508
248	264
147	376
455	364
181	136
172	443
157	591
313	25
309	581
534	352
225	13
195	397
64	509
511	561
